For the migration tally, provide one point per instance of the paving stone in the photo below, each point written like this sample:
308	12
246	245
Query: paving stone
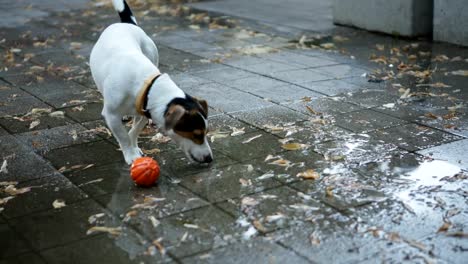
225	123
126	248
184	80
85	112
177	164
26	258
301	76
413	137
11	243
58	137
250	84
58	226
20	160
43	193
331	87
284	94
328	241
340	71
206	228
270	68
300	161
229	182
258	251
452	152
298	59
226	99
449	249
225	74
366	120
3	132
16	125
328	107
368	98
270	116
97	153
259	147
276	209
21	104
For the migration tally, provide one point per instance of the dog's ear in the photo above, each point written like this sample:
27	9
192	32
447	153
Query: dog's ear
173	115
204	106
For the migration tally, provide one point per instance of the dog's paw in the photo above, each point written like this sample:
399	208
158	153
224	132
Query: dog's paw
132	154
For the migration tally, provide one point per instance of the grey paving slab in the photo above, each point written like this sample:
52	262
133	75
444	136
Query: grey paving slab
250	84
328	107
258	251
452	152
97	153
299	60
85	112
413	137
25	258
366	120
368	98
58	137
283	94
341	71
22	104
275	209
258	144
184	80
227	99
43	193
123	249
58	226
449	249
270	68
20	160
331	87
206	228
225	74
232	181
21	124
301	76
12	244
270	116
225	123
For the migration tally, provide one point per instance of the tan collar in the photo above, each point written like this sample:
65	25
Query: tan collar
142	97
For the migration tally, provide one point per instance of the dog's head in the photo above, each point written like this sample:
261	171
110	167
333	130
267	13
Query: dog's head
186	122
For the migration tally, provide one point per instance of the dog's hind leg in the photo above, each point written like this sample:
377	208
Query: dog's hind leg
139	122
114	122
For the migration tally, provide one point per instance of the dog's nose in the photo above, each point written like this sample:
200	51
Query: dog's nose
208	159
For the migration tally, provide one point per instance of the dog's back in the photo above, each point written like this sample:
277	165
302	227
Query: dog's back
120	46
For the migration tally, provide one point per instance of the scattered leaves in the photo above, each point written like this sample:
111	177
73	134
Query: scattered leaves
115	231
294	146
59	203
309	174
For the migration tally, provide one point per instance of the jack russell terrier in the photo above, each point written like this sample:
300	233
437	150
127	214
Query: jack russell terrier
124	65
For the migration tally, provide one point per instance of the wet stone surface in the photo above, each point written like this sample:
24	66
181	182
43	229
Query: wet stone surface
338	147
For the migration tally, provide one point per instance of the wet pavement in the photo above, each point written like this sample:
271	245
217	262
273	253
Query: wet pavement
333	146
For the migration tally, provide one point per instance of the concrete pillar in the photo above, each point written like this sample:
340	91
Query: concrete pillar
451	21
397	17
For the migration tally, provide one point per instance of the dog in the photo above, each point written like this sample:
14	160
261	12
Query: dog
124	65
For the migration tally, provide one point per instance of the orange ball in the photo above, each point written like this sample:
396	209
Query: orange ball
144	171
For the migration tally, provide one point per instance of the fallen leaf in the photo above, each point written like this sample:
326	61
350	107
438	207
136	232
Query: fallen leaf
312	111
34	124
5	200
57	114
160	138
440	58
309	174
274	218
460	73
245	182
389	105
12	190
458	234
294	146
444	228
213	135
259	226
431	115
281	162
329	191
250	139
151	151
154	222
249	233
4	169
115	231
380	47
237	131
159	246
249	201
191	226
93	218
59	203
328	45
255	50
314	240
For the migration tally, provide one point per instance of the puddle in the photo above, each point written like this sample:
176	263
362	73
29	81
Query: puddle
424	177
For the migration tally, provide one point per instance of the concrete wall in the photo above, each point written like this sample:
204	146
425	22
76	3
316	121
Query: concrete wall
451	21
401	17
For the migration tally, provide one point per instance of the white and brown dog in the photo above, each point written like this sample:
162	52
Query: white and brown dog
124	64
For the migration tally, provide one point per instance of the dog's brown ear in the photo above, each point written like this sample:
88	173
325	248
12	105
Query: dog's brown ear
173	115
204	106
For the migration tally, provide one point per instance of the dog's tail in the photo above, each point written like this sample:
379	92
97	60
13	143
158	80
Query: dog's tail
126	15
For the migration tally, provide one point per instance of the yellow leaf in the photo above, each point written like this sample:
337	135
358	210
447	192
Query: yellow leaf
294	146
309	174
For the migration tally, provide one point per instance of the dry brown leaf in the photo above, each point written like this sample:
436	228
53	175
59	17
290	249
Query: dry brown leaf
281	162
309	174
458	234
431	115
380	47
444	228
249	201
5	200
59	203
294	146
440	58
312	111
12	190
328	45
151	151
251	139
259	226
237	131
314	239
460	73
245	182
34	124
115	231
329	191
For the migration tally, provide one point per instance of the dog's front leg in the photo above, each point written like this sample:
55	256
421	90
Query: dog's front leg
139	122
114	122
